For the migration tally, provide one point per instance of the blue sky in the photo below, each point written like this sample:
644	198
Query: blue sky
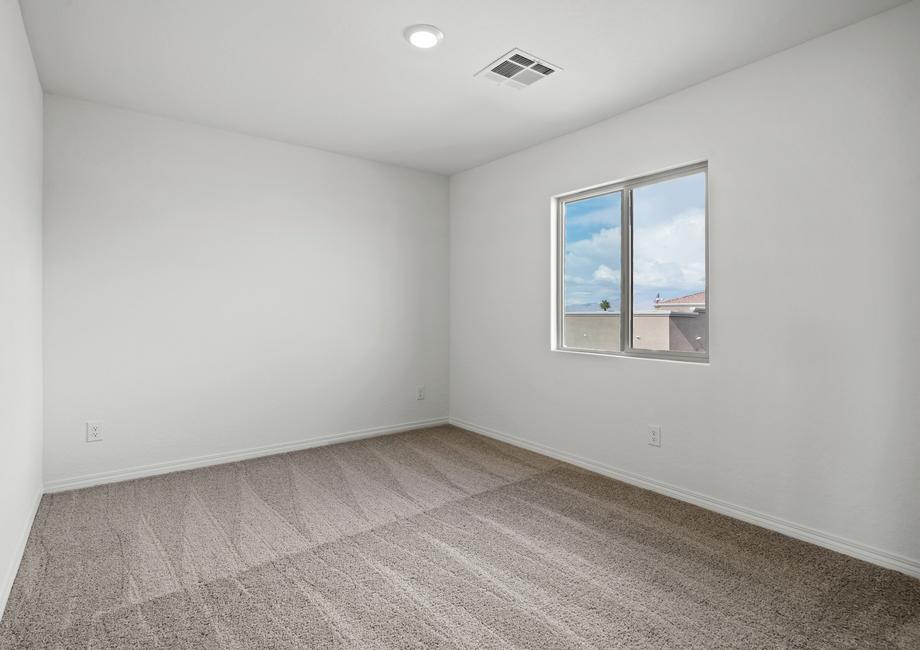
668	246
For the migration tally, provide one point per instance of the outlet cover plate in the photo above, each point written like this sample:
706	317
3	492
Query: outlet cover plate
93	431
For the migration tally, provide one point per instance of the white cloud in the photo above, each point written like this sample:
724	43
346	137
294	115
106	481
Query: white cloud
585	255
604	273
671	254
591	268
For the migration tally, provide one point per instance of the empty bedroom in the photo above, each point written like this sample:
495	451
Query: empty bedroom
441	324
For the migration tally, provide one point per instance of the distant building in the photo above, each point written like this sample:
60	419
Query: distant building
690	303
676	324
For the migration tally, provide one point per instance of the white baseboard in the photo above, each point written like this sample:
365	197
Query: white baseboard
877	556
114	476
13	568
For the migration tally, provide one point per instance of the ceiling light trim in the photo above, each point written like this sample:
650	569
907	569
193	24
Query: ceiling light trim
423	36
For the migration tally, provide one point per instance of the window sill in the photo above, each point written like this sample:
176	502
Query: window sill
673	357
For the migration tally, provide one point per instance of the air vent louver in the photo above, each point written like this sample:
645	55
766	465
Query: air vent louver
523	60
507	69
517	69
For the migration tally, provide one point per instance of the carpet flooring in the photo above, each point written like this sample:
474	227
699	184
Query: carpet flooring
437	538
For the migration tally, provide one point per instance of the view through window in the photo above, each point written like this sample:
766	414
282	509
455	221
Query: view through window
592	272
658	307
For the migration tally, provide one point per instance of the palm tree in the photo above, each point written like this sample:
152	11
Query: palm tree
605	304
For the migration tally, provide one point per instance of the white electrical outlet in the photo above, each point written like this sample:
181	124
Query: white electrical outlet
654	435
93	431
419	392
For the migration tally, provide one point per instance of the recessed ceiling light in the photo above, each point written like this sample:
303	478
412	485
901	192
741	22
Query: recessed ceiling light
423	36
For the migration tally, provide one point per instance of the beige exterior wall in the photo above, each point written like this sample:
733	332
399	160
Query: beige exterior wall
687	332
592	331
678	331
651	331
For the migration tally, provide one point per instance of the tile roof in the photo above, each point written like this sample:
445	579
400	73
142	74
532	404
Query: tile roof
692	299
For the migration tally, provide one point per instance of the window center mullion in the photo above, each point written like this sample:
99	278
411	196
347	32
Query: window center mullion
626	271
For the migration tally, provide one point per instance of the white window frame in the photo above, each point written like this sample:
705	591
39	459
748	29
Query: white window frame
625	187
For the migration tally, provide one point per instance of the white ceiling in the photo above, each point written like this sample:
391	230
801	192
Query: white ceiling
337	74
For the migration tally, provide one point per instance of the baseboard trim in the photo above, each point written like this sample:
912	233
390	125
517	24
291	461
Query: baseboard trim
114	476
870	554
13	569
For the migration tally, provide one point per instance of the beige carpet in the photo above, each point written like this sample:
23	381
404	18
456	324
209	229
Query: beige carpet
429	539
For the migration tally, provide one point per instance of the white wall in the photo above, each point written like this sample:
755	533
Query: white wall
814	160
20	291
207	292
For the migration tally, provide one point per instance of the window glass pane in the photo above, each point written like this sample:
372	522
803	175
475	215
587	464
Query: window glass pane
592	273
669	265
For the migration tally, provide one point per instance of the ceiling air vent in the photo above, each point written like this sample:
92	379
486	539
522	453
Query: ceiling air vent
517	69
